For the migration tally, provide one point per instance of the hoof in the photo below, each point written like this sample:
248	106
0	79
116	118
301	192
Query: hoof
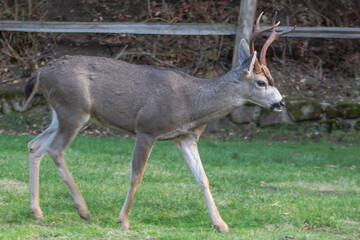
221	227
85	216
83	212
124	225
37	213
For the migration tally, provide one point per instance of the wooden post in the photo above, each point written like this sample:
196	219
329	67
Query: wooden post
244	26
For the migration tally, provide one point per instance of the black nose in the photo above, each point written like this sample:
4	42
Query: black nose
282	103
277	105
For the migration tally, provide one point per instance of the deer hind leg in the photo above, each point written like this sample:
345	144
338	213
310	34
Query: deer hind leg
37	148
188	147
68	128
141	153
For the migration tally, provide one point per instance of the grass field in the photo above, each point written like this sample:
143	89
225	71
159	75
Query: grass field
263	190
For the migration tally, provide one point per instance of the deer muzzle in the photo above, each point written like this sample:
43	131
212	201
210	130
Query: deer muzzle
278	106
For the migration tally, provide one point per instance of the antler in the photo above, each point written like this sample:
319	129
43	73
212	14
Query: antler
257	32
273	36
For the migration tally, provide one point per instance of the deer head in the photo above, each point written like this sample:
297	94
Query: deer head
260	88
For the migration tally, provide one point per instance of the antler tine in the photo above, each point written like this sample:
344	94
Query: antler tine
257	32
273	36
253	35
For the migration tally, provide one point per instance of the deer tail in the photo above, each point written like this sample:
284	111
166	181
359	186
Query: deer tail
30	90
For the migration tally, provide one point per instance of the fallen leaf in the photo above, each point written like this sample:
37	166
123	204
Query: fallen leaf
298	154
305	228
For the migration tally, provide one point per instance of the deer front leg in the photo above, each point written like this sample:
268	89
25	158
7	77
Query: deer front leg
141	153
188	147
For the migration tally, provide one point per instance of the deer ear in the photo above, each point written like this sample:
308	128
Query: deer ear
243	51
247	64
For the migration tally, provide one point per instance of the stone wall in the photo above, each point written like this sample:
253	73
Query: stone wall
327	116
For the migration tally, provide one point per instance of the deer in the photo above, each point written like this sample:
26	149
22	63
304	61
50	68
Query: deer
153	103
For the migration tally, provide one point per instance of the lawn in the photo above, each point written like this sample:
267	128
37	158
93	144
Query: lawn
263	190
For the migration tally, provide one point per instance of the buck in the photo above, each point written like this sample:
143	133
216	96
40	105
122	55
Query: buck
153	103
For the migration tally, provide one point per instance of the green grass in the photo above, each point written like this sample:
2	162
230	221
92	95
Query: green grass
263	190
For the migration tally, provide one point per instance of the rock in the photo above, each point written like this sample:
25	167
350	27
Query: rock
6	108
357	125
245	114
220	125
270	118
325	127
16	104
304	110
212	127
329	110
274	118
225	123
324	105
341	124
348	110
285	116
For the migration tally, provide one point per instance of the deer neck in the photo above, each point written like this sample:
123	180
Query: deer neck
219	97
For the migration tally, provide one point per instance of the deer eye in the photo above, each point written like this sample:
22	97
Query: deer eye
261	83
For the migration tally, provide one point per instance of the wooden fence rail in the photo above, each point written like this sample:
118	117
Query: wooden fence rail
167	29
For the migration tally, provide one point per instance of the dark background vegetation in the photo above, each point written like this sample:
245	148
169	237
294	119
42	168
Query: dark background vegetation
325	69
